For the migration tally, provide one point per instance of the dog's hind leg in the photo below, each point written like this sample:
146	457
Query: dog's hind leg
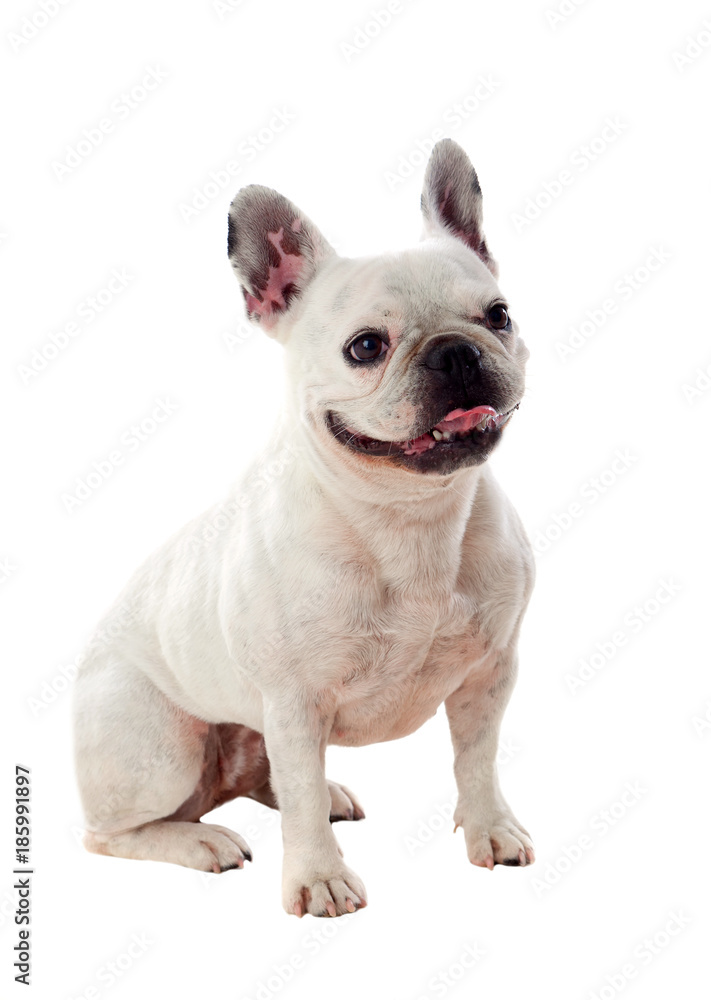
148	770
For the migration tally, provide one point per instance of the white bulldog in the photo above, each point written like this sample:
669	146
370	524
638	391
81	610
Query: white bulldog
342	599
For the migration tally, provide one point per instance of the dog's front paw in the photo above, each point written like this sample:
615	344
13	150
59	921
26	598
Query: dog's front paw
495	838
324	894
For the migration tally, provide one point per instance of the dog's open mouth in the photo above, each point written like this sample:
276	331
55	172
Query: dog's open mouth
459	430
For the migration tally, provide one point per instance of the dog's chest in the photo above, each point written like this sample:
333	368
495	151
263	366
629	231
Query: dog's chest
400	665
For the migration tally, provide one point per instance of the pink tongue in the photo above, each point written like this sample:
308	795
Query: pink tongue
461	421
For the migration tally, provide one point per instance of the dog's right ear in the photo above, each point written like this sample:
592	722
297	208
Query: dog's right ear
275	252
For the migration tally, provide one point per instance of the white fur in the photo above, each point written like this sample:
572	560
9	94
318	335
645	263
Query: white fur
339	603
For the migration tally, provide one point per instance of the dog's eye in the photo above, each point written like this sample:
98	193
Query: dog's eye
498	317
367	347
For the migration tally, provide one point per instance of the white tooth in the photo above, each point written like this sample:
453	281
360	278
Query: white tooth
446	435
437	435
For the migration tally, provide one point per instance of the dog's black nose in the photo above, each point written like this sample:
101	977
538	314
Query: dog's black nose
454	356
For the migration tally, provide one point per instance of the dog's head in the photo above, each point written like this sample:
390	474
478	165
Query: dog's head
409	359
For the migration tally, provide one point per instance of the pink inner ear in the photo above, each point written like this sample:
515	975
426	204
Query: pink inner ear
287	272
472	239
457	231
445	196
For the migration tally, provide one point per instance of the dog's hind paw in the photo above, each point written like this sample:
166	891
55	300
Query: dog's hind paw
205	846
344	804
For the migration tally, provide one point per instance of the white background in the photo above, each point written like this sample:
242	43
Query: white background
358	115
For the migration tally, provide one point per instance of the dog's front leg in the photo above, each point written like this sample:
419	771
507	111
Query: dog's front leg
315	878
493	834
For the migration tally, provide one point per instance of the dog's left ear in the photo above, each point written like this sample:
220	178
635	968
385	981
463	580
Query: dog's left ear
275	251
452	202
